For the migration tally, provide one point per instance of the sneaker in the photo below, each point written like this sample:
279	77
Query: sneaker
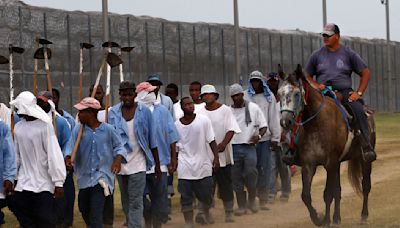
229	217
263	206
240	211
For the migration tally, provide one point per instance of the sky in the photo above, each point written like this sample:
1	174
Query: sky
359	18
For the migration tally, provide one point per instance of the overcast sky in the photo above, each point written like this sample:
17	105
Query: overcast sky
362	18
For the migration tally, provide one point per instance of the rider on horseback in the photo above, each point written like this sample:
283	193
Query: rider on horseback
336	63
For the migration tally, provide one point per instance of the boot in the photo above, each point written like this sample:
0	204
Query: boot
368	152
228	205
188	215
208	216
252	201
241	201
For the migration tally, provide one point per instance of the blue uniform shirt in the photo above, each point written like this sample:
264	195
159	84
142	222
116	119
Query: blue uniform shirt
95	154
166	133
8	164
144	130
69	118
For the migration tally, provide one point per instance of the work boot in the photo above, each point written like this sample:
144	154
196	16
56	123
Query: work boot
284	197
188	215
241	201
368	152
263	205
228	206
252	201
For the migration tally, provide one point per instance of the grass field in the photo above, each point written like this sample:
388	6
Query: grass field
384	207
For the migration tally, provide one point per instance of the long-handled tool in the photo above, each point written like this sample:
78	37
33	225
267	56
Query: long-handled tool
82	46
112	60
35	67
45	53
109	45
12	50
120	50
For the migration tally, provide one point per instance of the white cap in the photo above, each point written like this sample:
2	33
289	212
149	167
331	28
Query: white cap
256	75
208	89
26	105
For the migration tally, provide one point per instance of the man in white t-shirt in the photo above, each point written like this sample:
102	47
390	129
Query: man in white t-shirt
225	126
195	162
244	172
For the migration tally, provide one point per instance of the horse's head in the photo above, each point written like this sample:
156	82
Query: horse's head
292	95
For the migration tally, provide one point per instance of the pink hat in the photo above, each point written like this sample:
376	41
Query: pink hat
88	102
145	86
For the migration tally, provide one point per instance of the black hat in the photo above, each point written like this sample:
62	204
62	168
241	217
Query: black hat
127	85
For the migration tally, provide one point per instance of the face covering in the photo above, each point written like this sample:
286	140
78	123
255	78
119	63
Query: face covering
146	98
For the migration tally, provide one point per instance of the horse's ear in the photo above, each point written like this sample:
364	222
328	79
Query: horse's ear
281	74
299	72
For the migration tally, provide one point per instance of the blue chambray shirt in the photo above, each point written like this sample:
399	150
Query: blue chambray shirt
166	133
8	163
69	118
144	129
96	152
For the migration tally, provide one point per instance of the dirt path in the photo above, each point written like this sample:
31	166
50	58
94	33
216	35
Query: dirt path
291	213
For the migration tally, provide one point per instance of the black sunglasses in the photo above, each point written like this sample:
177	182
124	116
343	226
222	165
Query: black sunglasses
327	36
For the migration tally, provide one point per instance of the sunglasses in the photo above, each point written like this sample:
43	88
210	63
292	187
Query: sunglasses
327	36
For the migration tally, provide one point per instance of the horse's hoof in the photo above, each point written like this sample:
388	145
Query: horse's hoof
364	221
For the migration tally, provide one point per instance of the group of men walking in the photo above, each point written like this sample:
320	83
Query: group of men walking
145	139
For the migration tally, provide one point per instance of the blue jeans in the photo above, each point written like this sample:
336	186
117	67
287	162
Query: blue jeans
91	205
279	167
264	168
65	206
132	189
201	189
156	206
244	170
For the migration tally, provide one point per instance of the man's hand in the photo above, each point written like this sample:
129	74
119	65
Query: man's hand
172	166
274	146
116	165
8	187
321	87
221	147
254	139
216	164
59	192
354	96
68	163
158	172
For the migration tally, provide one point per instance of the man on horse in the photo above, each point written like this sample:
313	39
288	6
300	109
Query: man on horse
334	64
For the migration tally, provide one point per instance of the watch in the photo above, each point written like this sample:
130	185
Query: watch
360	93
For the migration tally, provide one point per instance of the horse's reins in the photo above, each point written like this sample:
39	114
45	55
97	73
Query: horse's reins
304	86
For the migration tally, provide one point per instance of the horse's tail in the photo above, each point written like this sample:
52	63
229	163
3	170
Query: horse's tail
355	173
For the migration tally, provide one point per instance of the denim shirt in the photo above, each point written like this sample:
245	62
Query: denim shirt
69	118
167	102
8	163
166	133
144	129
96	152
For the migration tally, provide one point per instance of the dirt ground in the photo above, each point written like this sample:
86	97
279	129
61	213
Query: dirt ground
384	198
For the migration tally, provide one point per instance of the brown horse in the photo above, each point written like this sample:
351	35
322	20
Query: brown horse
323	139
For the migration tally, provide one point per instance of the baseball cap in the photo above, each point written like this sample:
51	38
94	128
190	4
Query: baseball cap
127	85
154	78
256	75
145	86
45	96
235	89
88	102
330	29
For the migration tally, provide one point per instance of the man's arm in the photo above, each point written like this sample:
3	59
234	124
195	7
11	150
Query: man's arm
365	76
214	149
157	169
314	83
222	145
174	162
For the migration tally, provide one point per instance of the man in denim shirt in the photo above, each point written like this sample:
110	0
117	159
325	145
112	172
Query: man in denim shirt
134	123
8	167
156	209
98	159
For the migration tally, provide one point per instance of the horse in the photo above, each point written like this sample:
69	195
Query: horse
323	139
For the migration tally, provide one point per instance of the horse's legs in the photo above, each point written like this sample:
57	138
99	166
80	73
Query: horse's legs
328	195
366	187
337	196
307	174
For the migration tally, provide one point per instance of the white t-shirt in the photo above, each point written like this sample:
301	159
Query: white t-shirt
248	131
179	112
136	161
222	121
5	114
194	157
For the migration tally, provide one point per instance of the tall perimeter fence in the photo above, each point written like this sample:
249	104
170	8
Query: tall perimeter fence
180	52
